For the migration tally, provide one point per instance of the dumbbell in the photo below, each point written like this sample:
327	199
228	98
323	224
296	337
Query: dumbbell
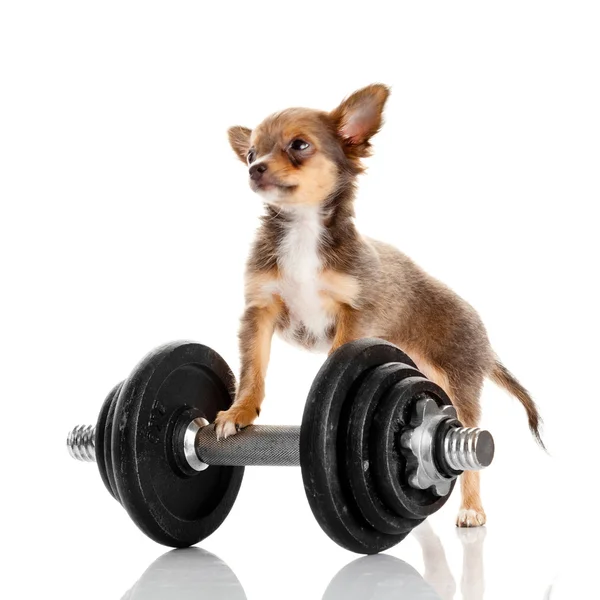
379	447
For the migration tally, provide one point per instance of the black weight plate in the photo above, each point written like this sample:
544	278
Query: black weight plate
108	461
170	507
322	444
359	459
103	432
393	414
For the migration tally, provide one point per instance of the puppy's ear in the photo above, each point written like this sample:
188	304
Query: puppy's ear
359	117
239	138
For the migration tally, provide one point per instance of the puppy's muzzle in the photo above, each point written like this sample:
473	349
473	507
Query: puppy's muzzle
256	171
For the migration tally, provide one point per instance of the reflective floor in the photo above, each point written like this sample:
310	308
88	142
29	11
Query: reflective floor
194	573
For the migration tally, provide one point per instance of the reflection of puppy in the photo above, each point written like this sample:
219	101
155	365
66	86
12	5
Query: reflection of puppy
437	571
313	278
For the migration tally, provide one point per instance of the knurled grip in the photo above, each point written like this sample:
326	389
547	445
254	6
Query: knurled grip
257	445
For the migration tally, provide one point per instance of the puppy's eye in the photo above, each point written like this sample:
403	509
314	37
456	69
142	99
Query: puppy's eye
250	156
299	144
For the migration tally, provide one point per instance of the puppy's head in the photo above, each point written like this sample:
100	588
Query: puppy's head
302	156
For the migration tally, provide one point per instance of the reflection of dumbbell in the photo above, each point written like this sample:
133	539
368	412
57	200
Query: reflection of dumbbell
187	575
380	447
194	573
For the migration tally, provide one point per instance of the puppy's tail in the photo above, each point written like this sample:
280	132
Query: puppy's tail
501	376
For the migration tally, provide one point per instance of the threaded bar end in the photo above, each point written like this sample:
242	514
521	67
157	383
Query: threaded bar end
81	443
468	448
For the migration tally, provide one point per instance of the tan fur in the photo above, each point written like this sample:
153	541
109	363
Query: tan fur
342	292
345	330
315	181
258	288
343	288
431	372
255	341
362	287
471	513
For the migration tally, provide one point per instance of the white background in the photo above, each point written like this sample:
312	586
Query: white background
126	220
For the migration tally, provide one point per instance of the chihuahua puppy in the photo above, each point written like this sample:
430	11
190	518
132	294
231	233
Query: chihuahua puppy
315	280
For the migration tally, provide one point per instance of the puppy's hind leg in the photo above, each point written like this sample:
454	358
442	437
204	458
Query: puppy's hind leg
466	401
464	391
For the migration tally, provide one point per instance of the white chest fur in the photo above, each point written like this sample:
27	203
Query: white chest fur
300	266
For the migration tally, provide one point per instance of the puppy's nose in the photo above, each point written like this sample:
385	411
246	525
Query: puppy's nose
256	171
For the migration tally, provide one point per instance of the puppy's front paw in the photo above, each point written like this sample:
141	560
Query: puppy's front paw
229	422
470	517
